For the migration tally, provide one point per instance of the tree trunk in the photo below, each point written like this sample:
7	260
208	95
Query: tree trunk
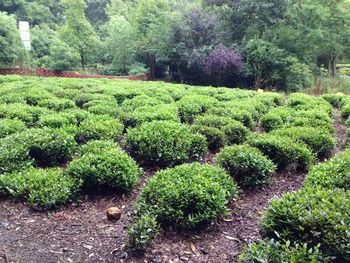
258	81
82	60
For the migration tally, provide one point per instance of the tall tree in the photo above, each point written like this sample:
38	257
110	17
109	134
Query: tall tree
11	48
78	32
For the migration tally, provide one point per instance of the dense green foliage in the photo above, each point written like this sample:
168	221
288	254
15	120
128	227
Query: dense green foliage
108	168
36	186
186	196
161	142
220	43
246	165
316	217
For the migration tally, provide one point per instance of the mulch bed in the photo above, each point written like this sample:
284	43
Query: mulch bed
81	233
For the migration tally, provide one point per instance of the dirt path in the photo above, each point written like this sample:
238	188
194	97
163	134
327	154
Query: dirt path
340	131
82	233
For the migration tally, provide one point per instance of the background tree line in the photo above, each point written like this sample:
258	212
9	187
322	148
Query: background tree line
276	44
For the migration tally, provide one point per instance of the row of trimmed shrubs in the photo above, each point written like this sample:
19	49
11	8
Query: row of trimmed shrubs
98	165
311	225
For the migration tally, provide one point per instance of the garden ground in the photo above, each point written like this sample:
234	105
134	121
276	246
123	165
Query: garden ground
81	233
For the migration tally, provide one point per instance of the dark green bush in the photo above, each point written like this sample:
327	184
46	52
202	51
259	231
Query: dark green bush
334	99
331	174
109	168
314	217
42	188
240	115
152	113
235	133
142	232
99	127
161	143
283	151
96	147
10	126
186	196
213	121
57	104
49	147
215	137
191	106
313	122
320	142
271	121
139	101
345	111
276	252
14	154
247	165
27	114
57	120
199	147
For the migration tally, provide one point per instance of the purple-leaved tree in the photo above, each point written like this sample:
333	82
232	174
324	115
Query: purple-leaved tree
223	63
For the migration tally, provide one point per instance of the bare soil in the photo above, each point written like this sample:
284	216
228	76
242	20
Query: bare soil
82	233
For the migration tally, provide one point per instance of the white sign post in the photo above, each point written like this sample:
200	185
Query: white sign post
25	34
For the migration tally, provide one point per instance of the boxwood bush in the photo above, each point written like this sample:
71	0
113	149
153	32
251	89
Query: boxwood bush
331	174
42	188
49	147
57	120
237	114
282	252
57	104
10	126
161	143
96	147
215	137
320	142
247	165
107	169
235	133
283	151
99	127
312	216
186	196
334	99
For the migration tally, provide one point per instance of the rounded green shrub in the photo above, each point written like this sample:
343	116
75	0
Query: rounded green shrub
331	174
152	113
187	196
320	142
96	147
247	165
235	133
42	188
49	147
237	114
215	137
57	120
28	114
161	143
14	154
317	217
10	126
334	99
99	127
193	105
139	101
199	147
215	121
283	151
57	104
109	168
271	121
278	252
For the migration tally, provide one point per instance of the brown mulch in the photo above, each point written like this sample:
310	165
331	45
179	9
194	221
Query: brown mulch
81	233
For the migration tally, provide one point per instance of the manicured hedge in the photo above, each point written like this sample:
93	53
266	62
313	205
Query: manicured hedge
10	126
312	216
331	174
109	168
276	252
186	196
320	142
161	143
42	188
283	151
247	165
